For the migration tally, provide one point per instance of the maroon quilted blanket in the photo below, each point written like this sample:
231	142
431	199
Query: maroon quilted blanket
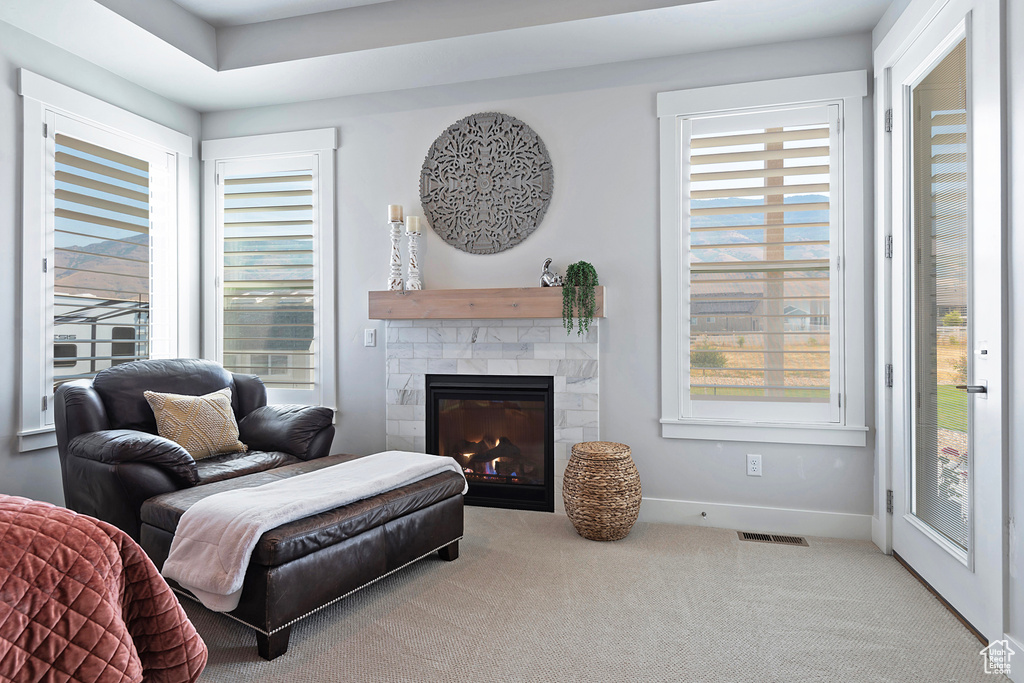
81	602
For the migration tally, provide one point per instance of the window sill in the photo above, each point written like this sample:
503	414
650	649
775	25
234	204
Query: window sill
765	432
36	439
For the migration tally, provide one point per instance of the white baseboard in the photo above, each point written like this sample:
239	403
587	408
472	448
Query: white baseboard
1017	662
754	518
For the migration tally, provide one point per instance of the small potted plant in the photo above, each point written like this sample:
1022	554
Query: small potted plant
578	296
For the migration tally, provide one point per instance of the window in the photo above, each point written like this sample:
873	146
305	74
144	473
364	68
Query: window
101	220
756	202
272	245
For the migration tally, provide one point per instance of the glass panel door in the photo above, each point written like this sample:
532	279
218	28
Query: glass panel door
947	322
941	317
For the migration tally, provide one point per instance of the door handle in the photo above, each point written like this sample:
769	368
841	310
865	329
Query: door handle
973	388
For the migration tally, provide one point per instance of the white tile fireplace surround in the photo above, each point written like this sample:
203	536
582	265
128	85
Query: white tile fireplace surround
540	346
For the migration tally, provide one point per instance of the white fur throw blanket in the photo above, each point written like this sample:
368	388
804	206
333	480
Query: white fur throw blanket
215	537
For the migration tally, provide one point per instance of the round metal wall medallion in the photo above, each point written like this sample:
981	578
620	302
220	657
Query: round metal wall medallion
486	183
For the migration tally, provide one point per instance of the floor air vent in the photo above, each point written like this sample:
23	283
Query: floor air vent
771	538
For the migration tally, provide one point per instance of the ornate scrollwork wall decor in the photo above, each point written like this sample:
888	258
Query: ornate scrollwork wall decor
486	183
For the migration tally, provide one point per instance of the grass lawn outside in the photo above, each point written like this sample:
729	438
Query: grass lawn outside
712	363
952	408
952	401
816	395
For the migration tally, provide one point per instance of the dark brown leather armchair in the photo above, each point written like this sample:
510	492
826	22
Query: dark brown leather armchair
112	459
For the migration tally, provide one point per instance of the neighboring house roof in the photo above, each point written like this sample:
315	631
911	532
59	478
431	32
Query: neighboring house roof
740	306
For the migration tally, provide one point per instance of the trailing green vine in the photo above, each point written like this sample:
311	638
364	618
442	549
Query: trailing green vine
578	296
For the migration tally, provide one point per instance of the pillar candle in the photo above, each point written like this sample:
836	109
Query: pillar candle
412	224
394	213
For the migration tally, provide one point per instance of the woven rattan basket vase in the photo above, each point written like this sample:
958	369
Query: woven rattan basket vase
601	490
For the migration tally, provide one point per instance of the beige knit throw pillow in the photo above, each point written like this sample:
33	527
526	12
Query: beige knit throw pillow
202	425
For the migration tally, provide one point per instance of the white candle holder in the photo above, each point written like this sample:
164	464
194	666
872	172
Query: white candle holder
395	282
414	261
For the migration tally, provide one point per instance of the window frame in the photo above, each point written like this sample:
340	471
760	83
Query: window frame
319	146
49	107
675	109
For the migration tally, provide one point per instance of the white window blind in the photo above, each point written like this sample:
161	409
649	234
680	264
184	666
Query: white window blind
761	217
270	304
101	258
941	308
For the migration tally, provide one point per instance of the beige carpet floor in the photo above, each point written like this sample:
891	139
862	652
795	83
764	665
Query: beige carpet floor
529	600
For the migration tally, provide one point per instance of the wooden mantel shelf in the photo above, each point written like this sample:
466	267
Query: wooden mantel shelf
520	302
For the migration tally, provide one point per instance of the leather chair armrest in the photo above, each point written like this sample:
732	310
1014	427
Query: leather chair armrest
115	492
288	428
114	446
250	393
78	409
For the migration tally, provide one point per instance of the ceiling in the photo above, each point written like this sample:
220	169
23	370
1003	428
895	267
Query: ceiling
237	12
315	49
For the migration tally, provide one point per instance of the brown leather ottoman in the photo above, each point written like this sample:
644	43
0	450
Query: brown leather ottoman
303	566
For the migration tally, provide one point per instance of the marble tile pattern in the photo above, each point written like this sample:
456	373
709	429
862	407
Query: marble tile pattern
416	348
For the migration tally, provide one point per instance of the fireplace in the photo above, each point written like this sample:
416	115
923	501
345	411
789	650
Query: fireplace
500	429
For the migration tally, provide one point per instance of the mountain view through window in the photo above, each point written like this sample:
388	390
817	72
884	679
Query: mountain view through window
101	275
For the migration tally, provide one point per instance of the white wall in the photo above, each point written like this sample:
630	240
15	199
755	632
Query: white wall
36	474
600	127
1015	80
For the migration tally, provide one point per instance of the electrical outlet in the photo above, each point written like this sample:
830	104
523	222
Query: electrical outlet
753	465
369	337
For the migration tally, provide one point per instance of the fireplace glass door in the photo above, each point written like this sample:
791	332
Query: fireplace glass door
500	431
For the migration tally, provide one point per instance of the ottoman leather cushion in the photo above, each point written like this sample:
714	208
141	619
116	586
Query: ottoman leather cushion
305	536
302	537
164	511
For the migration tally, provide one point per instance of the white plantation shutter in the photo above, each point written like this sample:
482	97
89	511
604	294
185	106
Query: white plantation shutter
102	258
270	300
761	212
